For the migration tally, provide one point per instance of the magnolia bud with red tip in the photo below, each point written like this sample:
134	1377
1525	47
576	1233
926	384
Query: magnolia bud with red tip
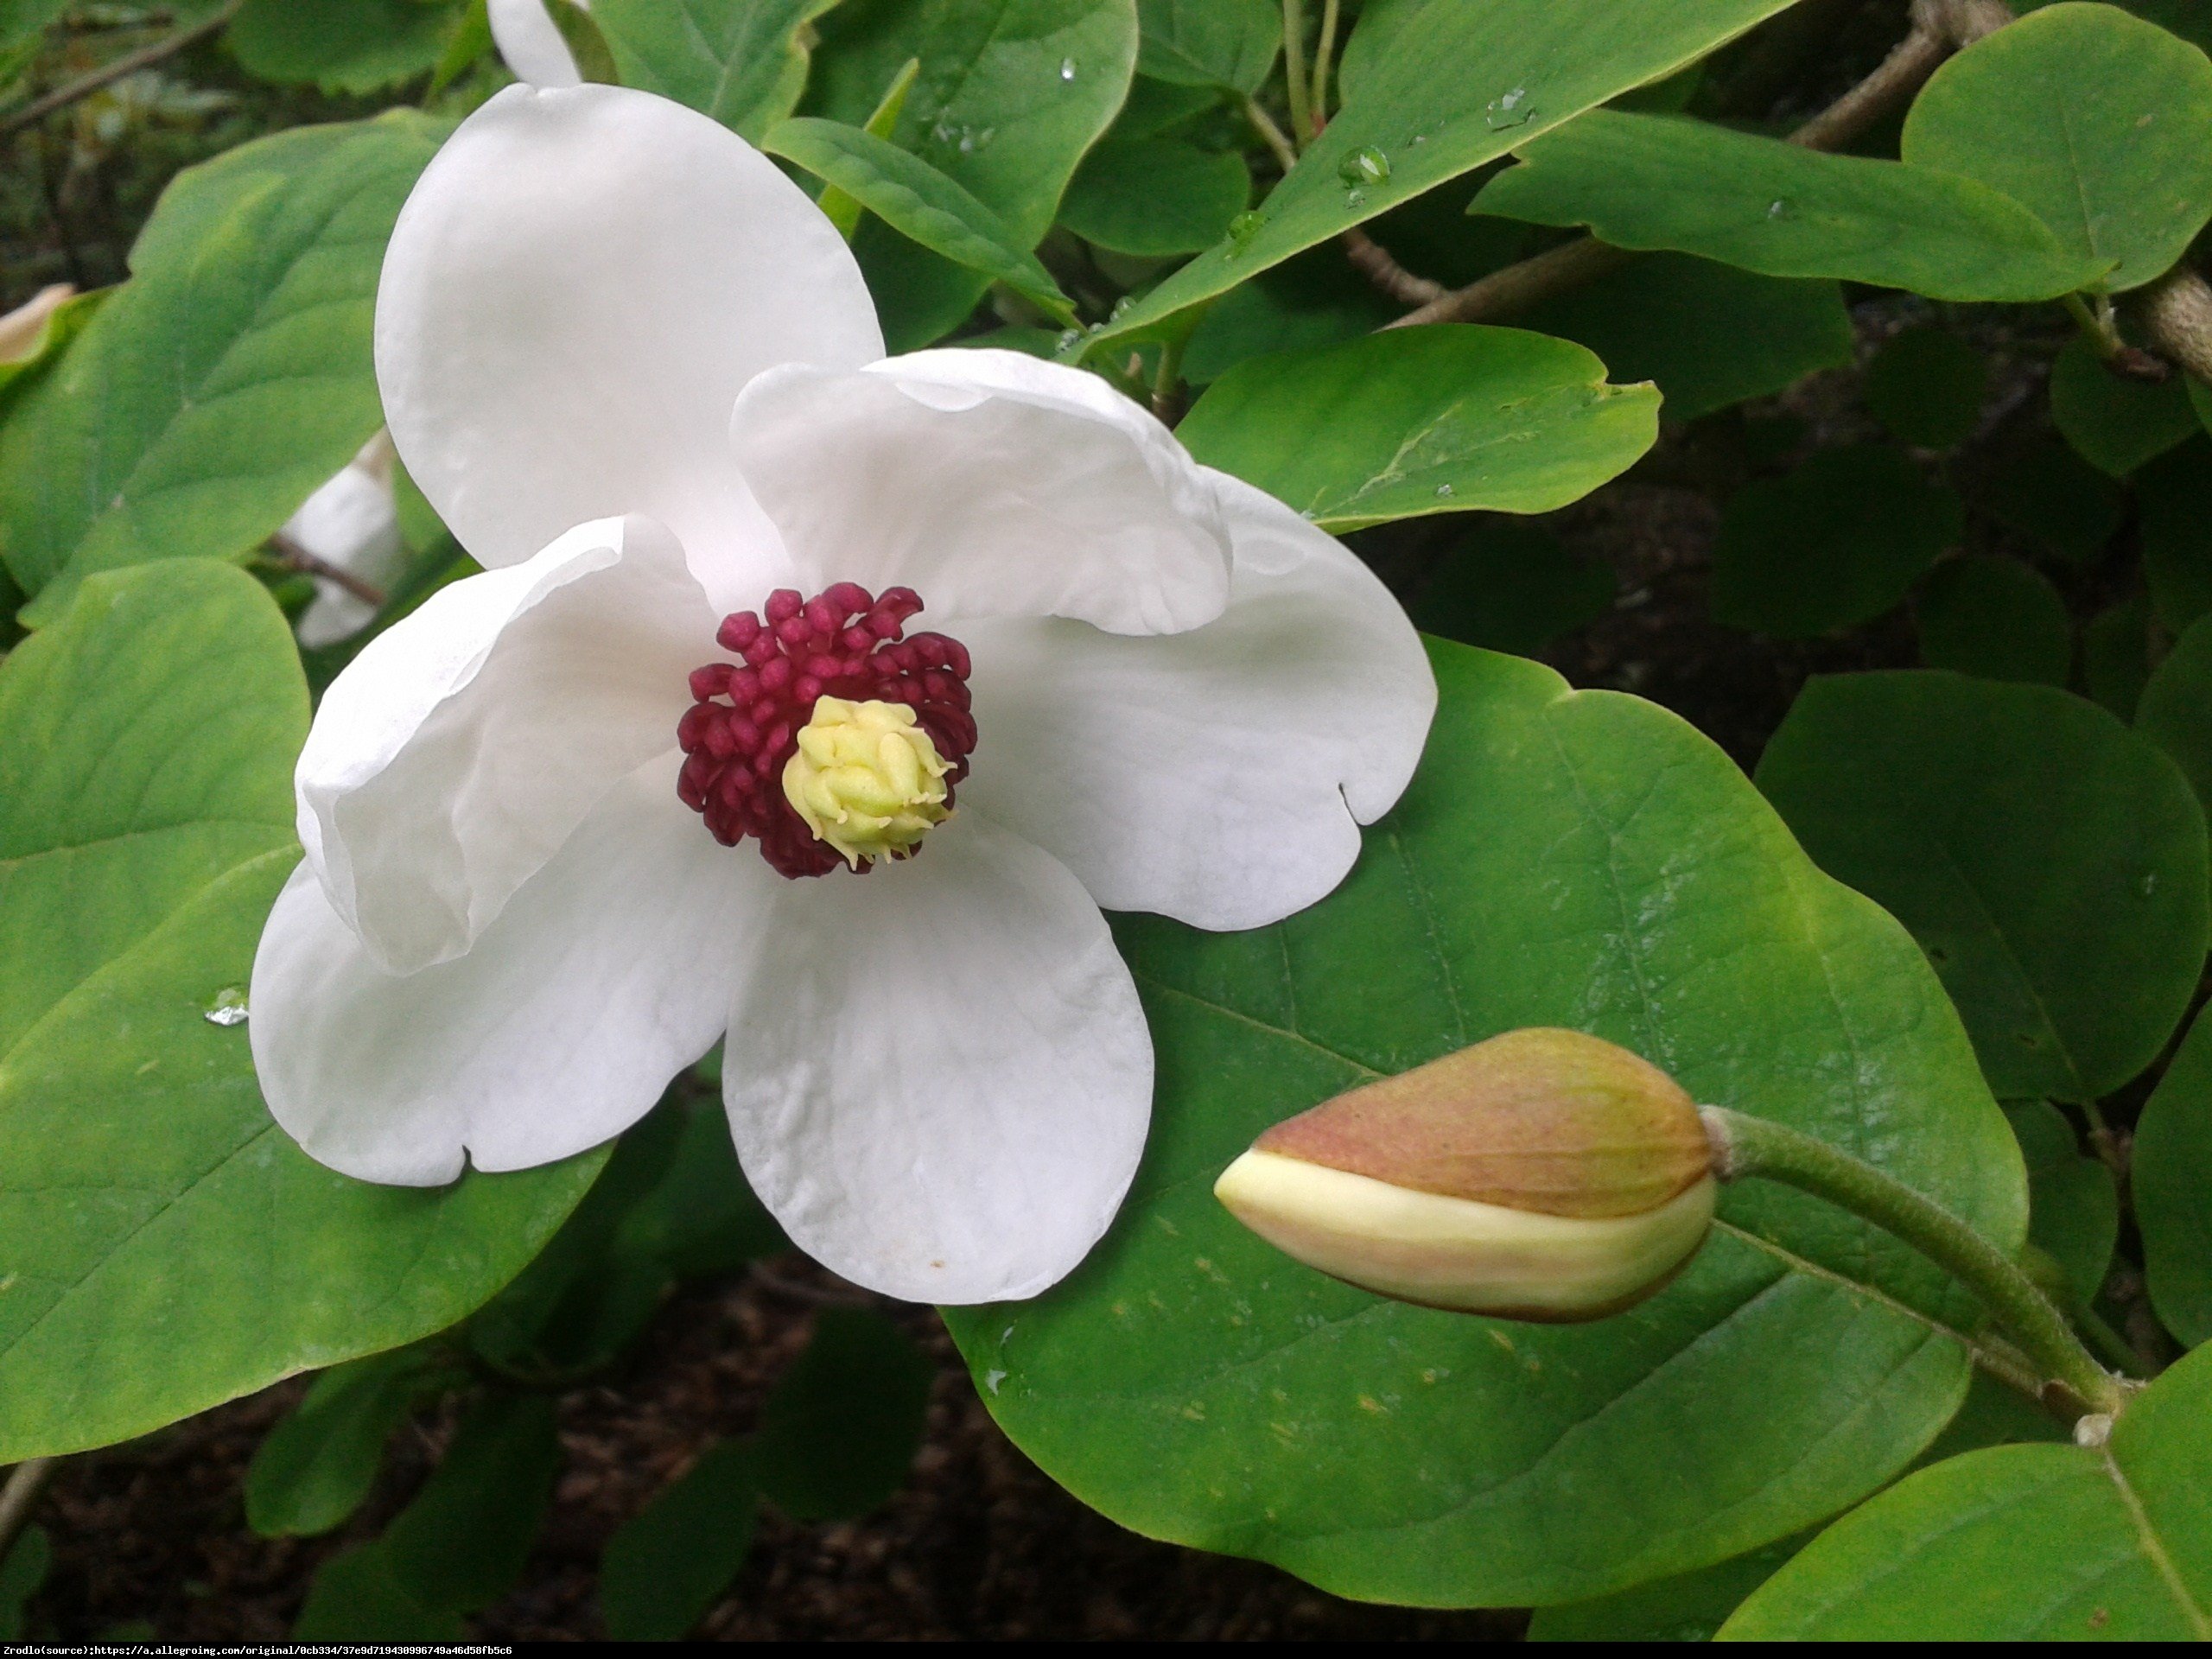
1543	1174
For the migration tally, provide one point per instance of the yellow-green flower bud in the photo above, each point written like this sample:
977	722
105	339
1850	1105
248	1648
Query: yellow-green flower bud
1540	1175
867	779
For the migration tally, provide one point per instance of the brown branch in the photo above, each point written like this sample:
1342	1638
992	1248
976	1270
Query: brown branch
2176	312
129	63
20	1497
293	556
1375	262
1939	28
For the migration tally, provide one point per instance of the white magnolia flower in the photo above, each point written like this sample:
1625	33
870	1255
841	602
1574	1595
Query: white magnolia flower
531	43
351	524
560	839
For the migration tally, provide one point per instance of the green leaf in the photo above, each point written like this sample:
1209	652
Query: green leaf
1927	386
1511	587
2173	500
2190	19
1563	858
2041	490
1152	196
1687	1608
2116	655
2022	1543
2073	1199
1313	300
1410	422
1662	181
2096	121
22	1573
1372	42
355	1598
22	19
1995	618
2175	710
914	198
462	1542
2115	423
1011	95
360	46
1459	86
146	745
743	61
839	1432
1831	545
1229	44
1709	336
668	1566
2050	862
2170	1178
318	1465
229	379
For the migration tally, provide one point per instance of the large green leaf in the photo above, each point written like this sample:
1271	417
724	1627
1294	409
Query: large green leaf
1996	617
1011	94
2172	1185
2116	423
1152	196
1831	545
357	46
1709	336
317	1466
1417	421
1564	858
2051	863
2073	1198
841	1430
1662	181
1460	85
669	1564
743	61
916	200
2022	1542
229	379
2174	711
2098	122
193	1253
1230	44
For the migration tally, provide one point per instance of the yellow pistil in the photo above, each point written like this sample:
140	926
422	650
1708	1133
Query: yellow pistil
867	779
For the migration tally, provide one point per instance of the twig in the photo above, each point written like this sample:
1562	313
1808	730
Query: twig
1373	262
129	63
293	556
1264	124
20	1497
1939	28
2177	313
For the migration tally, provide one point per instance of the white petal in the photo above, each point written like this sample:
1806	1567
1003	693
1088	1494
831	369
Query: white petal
579	288
991	483
532	44
1219	775
351	523
605	975
939	1074
458	751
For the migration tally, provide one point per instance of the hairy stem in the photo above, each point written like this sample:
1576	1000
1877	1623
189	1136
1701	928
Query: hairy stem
1747	1145
1293	70
129	63
1323	53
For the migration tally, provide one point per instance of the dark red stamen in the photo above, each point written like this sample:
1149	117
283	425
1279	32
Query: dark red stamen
745	719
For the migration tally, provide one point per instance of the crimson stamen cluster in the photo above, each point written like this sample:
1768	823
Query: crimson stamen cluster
744	724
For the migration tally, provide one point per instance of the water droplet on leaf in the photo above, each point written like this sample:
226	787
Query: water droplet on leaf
1781	207
228	1008
1444	489
1067	68
1354	197
1510	110
1244	227
1366	165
